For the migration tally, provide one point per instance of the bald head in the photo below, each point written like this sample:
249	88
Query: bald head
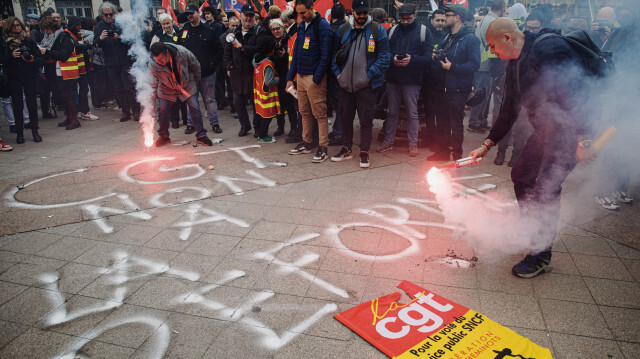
505	39
606	14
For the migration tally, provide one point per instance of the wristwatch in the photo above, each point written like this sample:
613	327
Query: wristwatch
586	143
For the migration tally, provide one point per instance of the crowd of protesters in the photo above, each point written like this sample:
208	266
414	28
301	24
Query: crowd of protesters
359	62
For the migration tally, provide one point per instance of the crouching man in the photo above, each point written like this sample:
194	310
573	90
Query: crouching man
175	74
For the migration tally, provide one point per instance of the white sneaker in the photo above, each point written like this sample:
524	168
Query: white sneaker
609	203
88	116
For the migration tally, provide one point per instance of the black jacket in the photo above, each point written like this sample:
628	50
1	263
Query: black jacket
17	68
241	60
115	51
200	40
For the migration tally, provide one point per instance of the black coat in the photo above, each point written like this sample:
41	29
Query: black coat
115	51
241	60
18	69
200	40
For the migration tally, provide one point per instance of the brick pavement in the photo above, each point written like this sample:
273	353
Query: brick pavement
113	250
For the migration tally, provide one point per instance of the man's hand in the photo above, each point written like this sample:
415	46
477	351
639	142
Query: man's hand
446	64
16	53
104	34
585	155
402	63
479	152
43	50
397	5
289	84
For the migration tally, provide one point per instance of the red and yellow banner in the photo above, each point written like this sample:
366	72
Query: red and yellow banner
433	327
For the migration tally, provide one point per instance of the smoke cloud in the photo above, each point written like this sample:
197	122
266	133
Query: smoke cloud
597	103
130	22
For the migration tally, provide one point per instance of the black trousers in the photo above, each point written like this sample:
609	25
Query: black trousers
27	83
449	118
287	104
427	111
124	88
83	93
363	101
64	94
262	128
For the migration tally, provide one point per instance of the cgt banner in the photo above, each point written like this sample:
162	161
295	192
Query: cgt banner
433	327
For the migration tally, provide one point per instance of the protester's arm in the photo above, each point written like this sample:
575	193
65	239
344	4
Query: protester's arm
270	79
326	39
382	60
335	69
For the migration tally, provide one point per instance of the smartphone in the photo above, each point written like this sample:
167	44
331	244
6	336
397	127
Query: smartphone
401	57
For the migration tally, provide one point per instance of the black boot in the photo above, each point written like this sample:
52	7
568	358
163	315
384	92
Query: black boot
279	131
499	158
20	137
36	135
73	122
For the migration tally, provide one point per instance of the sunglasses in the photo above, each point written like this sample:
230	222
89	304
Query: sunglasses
108	15
362	13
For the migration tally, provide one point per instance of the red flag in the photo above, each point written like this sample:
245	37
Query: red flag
182	4
167	5
234	10
204	4
263	12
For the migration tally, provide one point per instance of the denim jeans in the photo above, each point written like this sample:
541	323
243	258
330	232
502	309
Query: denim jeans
396	95
7	106
164	112
206	88
479	113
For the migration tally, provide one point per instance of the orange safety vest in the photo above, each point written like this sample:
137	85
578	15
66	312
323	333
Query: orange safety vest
82	68
290	46
267	103
69	68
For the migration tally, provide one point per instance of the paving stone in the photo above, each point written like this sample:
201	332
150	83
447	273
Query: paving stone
624	323
574	318
601	267
512	310
10	331
578	347
630	350
10	290
36	343
562	287
596	246
162	293
68	248
614	293
32	243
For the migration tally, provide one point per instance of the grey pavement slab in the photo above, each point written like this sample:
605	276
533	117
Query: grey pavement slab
112	250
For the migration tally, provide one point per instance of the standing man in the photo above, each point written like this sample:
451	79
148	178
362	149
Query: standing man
359	76
410	45
432	79
459	60
238	57
545	76
176	74
310	62
200	40
117	61
489	65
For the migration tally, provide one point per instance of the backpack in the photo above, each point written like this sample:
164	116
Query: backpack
423	33
374	30
596	62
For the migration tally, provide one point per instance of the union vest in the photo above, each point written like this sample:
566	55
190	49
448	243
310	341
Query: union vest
267	103
290	46
69	68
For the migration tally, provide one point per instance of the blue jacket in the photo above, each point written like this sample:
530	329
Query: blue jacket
377	60
464	54
315	59
406	40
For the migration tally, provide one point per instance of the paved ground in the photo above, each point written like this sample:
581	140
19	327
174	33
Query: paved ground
112	250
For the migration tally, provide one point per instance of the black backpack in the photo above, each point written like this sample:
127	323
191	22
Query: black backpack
596	62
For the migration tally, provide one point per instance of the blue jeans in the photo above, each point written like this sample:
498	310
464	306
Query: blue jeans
479	113
206	88
164	111
396	95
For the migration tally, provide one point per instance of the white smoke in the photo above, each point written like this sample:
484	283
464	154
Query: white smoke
130	22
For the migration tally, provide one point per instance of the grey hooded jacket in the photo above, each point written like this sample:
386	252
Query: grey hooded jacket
162	82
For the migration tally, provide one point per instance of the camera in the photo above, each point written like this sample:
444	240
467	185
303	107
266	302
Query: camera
111	33
278	46
439	55
24	51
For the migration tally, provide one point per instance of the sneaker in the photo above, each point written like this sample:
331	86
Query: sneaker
476	129
384	147
609	203
4	147
88	116
364	159
189	130
175	125
413	151
321	155
486	127
440	156
125	118
344	154
162	141
531	266
499	158
72	126
301	148
623	197
217	129
266	139
204	140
